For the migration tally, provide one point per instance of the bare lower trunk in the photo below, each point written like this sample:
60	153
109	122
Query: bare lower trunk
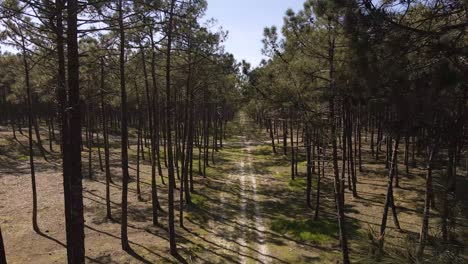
427	204
389	201
170	161
124	132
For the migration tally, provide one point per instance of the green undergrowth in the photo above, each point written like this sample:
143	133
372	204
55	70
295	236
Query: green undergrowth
198	200
318	232
262	150
299	184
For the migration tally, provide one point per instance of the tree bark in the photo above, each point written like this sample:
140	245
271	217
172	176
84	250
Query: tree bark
338	199
389	201
105	135
30	136
124	132
309	169
73	186
427	203
172	242
150	101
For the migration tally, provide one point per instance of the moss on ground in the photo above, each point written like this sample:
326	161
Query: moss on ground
318	232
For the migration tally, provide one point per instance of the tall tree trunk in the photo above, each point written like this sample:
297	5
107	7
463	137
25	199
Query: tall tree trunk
344	152
359	138
105	135
427	202
321	155
156	120
150	101
389	201
285	137
172	242
139	141
124	133
73	186
37	132
189	113
309	165
293	174
30	135
49	129
338	199
89	142
351	157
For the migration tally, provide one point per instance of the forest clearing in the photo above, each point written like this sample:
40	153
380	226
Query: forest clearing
129	133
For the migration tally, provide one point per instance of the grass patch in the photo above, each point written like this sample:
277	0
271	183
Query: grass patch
299	184
319	232
263	150
198	200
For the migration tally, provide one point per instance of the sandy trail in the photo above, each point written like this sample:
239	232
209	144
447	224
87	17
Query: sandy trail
259	224
248	187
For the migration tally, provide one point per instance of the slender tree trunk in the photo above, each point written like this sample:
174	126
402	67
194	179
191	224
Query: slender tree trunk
64	132
156	120
389	201
172	242
344	152
351	157
427	203
359	138
339	201
150	101
49	129
37	133
319	178
89	142
285	137
309	158
139	141
30	139
124	133
105	136
406	158
189	112
293	174
445	203
98	142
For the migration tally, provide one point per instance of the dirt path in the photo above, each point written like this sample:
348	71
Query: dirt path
248	198
258	219
249	231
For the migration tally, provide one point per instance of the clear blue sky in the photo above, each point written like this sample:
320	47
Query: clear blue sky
245	21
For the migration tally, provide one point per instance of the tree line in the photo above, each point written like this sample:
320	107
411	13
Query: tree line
97	72
388	74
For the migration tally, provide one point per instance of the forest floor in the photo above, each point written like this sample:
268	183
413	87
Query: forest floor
247	209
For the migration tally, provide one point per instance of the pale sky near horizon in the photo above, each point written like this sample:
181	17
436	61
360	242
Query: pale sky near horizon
245	21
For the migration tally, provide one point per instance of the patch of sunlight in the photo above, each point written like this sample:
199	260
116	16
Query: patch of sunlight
319	232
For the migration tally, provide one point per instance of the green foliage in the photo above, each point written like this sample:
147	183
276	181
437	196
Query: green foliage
198	200
318	232
298	184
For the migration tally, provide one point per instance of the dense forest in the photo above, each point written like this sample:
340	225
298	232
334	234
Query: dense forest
128	134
